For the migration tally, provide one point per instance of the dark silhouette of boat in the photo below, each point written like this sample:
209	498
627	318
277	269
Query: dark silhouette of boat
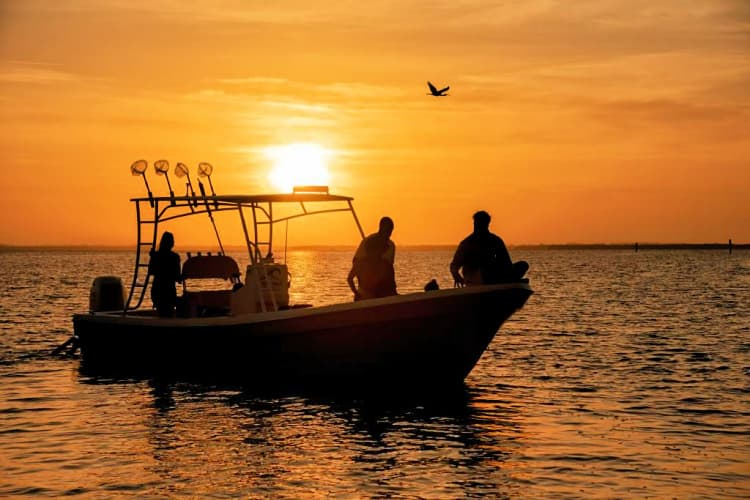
250	332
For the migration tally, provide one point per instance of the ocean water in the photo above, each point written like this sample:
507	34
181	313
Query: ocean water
626	375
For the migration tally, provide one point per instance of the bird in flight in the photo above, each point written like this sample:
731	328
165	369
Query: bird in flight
435	92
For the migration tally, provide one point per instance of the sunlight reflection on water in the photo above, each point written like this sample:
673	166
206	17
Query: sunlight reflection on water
625	375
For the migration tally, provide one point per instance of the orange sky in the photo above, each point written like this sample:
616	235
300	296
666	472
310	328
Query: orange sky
586	121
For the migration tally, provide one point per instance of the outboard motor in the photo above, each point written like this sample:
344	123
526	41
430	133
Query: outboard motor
107	294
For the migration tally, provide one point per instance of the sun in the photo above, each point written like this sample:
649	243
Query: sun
298	164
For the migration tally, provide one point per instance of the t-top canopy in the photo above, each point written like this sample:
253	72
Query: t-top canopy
256	198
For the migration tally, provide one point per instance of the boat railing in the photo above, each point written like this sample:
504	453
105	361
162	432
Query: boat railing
138	288
264	287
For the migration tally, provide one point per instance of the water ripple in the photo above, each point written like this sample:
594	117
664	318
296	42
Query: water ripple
627	375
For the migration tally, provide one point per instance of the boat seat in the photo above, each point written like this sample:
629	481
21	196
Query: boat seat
208	302
211	266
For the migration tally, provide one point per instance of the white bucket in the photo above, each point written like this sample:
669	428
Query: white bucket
262	281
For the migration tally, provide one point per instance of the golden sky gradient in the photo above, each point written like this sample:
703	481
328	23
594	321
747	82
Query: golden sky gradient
586	121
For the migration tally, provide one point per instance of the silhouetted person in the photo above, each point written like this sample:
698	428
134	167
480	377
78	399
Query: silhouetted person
482	258
372	264
164	266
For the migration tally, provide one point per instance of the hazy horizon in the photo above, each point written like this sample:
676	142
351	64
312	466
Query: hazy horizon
194	248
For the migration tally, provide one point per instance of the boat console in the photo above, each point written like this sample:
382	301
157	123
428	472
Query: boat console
211	302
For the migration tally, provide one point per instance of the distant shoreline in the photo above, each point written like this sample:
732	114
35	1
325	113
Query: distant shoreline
540	246
641	246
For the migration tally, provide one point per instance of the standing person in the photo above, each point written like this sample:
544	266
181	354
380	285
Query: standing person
372	264
165	268
483	258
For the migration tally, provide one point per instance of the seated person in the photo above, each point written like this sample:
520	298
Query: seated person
482	258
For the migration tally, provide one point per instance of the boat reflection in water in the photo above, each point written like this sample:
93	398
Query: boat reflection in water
251	333
260	446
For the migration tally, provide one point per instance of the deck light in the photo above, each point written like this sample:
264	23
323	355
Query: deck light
139	168
162	167
310	189
181	170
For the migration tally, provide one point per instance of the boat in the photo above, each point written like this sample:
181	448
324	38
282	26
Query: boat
250	333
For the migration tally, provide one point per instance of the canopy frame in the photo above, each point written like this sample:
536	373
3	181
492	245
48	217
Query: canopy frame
153	211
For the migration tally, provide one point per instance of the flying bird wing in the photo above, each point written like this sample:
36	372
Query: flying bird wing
443	90
433	89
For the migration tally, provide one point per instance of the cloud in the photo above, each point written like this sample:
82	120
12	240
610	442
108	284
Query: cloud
298	106
30	73
631	113
253	80
210	11
268	85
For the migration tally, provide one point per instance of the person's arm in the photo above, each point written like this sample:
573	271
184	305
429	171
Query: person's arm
350	281
177	270
502	255
392	269
152	264
390	252
358	255
458	280
360	252
455	267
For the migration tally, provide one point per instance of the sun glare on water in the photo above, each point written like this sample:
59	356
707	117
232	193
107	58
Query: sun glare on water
299	164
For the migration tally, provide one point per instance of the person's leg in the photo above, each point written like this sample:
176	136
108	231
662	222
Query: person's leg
165	310
166	304
519	269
